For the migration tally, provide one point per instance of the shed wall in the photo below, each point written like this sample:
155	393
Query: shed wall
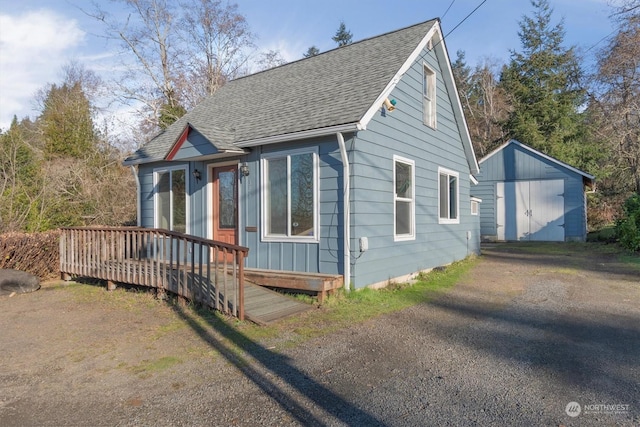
514	163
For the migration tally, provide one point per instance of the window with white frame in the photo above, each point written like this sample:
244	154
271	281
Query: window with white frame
171	199
429	96
404	198
448	196
475	205
290	196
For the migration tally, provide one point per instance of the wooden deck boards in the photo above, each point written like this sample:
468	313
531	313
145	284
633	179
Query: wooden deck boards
262	306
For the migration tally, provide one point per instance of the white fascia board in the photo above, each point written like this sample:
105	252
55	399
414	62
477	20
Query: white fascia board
473	179
312	133
476	199
373	109
497	150
458	112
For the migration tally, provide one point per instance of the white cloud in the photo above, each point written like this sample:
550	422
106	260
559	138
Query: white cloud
33	48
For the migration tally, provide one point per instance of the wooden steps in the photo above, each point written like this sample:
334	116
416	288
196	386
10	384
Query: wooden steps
320	284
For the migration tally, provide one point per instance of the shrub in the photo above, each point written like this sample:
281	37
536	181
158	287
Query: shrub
628	228
35	253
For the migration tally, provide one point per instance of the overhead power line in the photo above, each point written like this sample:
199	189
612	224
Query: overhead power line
445	12
465	18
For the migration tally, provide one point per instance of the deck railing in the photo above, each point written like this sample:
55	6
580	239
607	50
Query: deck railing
201	270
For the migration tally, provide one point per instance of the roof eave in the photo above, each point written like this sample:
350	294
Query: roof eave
305	134
458	111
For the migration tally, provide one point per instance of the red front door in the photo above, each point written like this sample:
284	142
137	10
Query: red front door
225	204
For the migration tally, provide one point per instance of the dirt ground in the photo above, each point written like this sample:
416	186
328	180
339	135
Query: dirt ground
531	329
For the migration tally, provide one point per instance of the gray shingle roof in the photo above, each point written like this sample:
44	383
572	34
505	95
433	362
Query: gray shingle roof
333	88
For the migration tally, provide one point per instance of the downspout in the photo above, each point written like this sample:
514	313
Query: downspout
138	203
346	177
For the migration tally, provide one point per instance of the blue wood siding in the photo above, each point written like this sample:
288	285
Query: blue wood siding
194	146
322	257
514	163
403	133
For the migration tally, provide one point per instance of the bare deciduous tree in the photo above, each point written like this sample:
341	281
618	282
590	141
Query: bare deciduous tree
484	102
182	52
617	96
216	46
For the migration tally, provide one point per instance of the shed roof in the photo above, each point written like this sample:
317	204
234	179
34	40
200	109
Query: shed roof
588	177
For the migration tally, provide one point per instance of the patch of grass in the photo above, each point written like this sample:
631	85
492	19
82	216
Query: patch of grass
347	308
149	367
566	270
130	299
167	328
631	260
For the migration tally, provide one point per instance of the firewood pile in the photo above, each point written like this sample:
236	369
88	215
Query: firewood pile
35	253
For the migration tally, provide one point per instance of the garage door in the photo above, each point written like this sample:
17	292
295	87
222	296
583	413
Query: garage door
530	210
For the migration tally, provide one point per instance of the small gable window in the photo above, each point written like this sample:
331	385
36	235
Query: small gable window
448	196
404	198
171	199
429	96
290	196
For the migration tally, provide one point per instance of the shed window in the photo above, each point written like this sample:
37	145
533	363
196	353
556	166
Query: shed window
474	207
171	199
290	196
448	196
404	198
429	96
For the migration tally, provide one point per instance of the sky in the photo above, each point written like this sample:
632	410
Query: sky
38	37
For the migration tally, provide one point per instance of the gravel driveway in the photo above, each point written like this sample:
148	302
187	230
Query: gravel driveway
515	343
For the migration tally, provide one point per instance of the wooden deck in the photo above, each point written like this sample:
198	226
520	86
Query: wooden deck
201	270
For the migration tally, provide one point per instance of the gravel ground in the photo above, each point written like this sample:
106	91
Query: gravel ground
513	344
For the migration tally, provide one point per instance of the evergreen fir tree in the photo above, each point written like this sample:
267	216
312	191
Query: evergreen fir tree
543	82
343	36
312	51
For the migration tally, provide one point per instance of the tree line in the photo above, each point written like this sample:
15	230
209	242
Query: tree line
542	96
63	168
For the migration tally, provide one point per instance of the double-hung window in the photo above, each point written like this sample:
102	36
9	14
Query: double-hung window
290	196
171	199
448	196
429	96
404	198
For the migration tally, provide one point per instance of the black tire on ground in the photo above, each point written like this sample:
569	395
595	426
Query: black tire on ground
16	281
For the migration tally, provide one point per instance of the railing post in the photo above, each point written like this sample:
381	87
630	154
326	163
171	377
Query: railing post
240	261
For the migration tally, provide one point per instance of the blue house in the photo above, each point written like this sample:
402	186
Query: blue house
527	195
355	162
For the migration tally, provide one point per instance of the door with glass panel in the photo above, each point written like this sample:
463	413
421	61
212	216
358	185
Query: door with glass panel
225	204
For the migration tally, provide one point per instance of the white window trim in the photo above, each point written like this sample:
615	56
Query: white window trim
429	114
156	171
316	196
449	172
475	202
412	235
